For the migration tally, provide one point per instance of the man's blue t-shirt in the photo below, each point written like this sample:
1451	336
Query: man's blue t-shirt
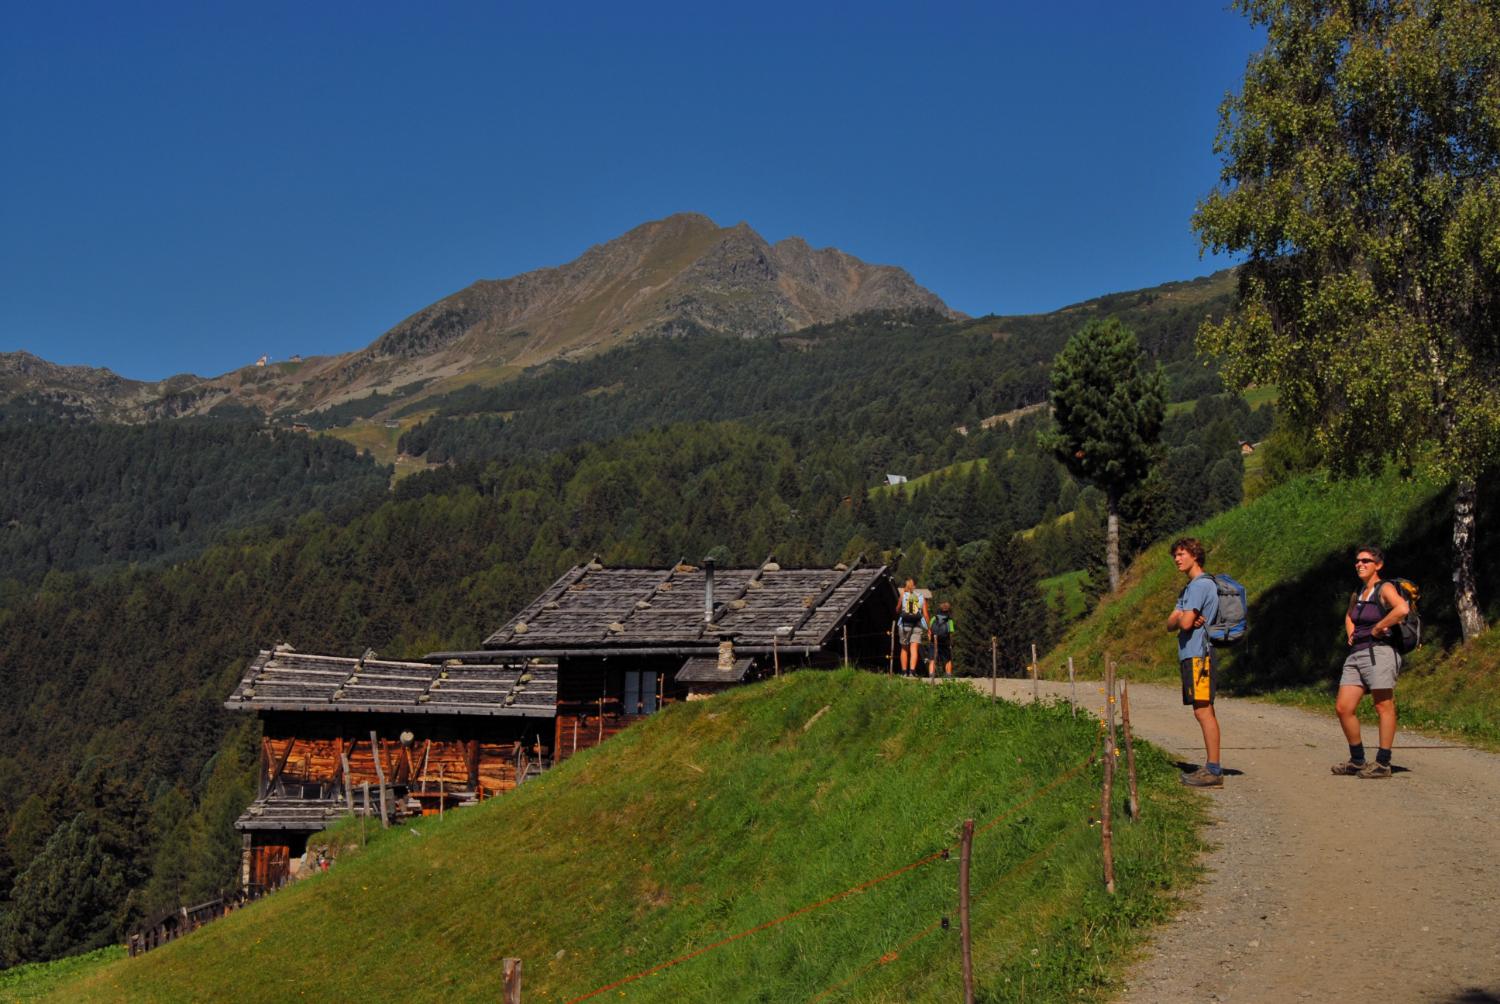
1203	596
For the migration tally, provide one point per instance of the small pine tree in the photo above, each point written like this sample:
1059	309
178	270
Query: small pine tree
1109	410
1001	600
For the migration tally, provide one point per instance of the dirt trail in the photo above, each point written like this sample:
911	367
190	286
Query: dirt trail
1325	888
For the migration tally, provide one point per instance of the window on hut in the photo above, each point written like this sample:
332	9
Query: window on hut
640	692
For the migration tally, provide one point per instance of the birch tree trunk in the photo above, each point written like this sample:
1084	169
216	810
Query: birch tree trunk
1465	601
1112	541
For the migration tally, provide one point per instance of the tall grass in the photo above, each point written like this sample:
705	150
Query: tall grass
713	818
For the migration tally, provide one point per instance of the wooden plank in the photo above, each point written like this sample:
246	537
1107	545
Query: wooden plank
379	776
276	774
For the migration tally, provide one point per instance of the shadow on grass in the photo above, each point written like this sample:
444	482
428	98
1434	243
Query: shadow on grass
1297	638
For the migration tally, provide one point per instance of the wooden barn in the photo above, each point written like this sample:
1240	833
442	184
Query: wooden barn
375	736
627	641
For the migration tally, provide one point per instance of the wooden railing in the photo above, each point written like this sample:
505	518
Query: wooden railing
173	925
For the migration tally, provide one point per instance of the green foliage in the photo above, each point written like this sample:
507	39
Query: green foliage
1108	415
1108	411
67	899
1361	178
1001	600
38	979
84	496
714	817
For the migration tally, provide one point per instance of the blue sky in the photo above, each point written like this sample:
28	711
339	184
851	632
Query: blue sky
186	186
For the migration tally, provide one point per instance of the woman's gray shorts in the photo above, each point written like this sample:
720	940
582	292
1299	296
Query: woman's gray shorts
1374	668
909	633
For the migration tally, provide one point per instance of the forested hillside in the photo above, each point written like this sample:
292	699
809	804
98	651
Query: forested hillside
120	754
884	392
84	496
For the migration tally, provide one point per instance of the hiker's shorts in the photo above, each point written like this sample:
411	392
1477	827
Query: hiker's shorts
1374	668
943	649
909	633
1200	678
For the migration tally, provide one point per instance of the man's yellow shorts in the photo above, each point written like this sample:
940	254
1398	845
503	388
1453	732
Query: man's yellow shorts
1200	678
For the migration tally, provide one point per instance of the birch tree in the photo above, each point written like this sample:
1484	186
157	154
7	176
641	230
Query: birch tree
1360	182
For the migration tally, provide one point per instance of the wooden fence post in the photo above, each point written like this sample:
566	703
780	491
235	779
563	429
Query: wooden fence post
364	787
1036	693
846	644
1072	687
1135	801
994	666
965	848
1106	803
890	657
512	972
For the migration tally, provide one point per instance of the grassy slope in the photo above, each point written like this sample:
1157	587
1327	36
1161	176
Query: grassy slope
910	487
1069	588
708	819
1293	550
36	980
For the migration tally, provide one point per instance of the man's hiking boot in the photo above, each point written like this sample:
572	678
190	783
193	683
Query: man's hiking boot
1375	769
1203	778
1348	768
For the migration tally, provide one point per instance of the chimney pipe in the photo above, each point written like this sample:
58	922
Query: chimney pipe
708	590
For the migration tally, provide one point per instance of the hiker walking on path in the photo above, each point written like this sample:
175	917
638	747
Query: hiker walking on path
911	623
942	641
1195	610
1372	665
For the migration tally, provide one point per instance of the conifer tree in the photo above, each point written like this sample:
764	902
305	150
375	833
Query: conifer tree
1001	600
1109	415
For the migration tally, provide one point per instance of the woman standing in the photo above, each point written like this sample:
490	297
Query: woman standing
1372	665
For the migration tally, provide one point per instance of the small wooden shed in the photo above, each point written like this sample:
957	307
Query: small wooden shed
422	736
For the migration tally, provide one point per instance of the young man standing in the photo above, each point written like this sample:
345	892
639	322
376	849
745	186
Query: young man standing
1195	610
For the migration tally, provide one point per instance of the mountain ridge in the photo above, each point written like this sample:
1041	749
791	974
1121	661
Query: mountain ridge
675	276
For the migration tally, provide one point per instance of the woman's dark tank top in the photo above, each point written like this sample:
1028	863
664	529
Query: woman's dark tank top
1366	615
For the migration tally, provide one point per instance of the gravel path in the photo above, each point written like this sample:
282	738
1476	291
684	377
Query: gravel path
1325	888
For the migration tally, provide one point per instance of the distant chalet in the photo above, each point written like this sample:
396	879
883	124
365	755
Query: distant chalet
597	651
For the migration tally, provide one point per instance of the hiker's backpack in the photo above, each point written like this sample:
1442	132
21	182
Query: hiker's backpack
1233	617
1406	635
942	625
911	607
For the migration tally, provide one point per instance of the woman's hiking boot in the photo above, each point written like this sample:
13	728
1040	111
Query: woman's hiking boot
1348	768
1375	769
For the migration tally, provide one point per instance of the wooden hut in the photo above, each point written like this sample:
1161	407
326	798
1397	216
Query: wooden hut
343	735
627	641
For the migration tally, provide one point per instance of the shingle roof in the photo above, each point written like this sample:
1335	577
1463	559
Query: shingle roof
705	669
304	814
295	681
592	607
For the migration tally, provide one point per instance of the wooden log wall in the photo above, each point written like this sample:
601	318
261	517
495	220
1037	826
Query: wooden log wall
308	751
456	764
